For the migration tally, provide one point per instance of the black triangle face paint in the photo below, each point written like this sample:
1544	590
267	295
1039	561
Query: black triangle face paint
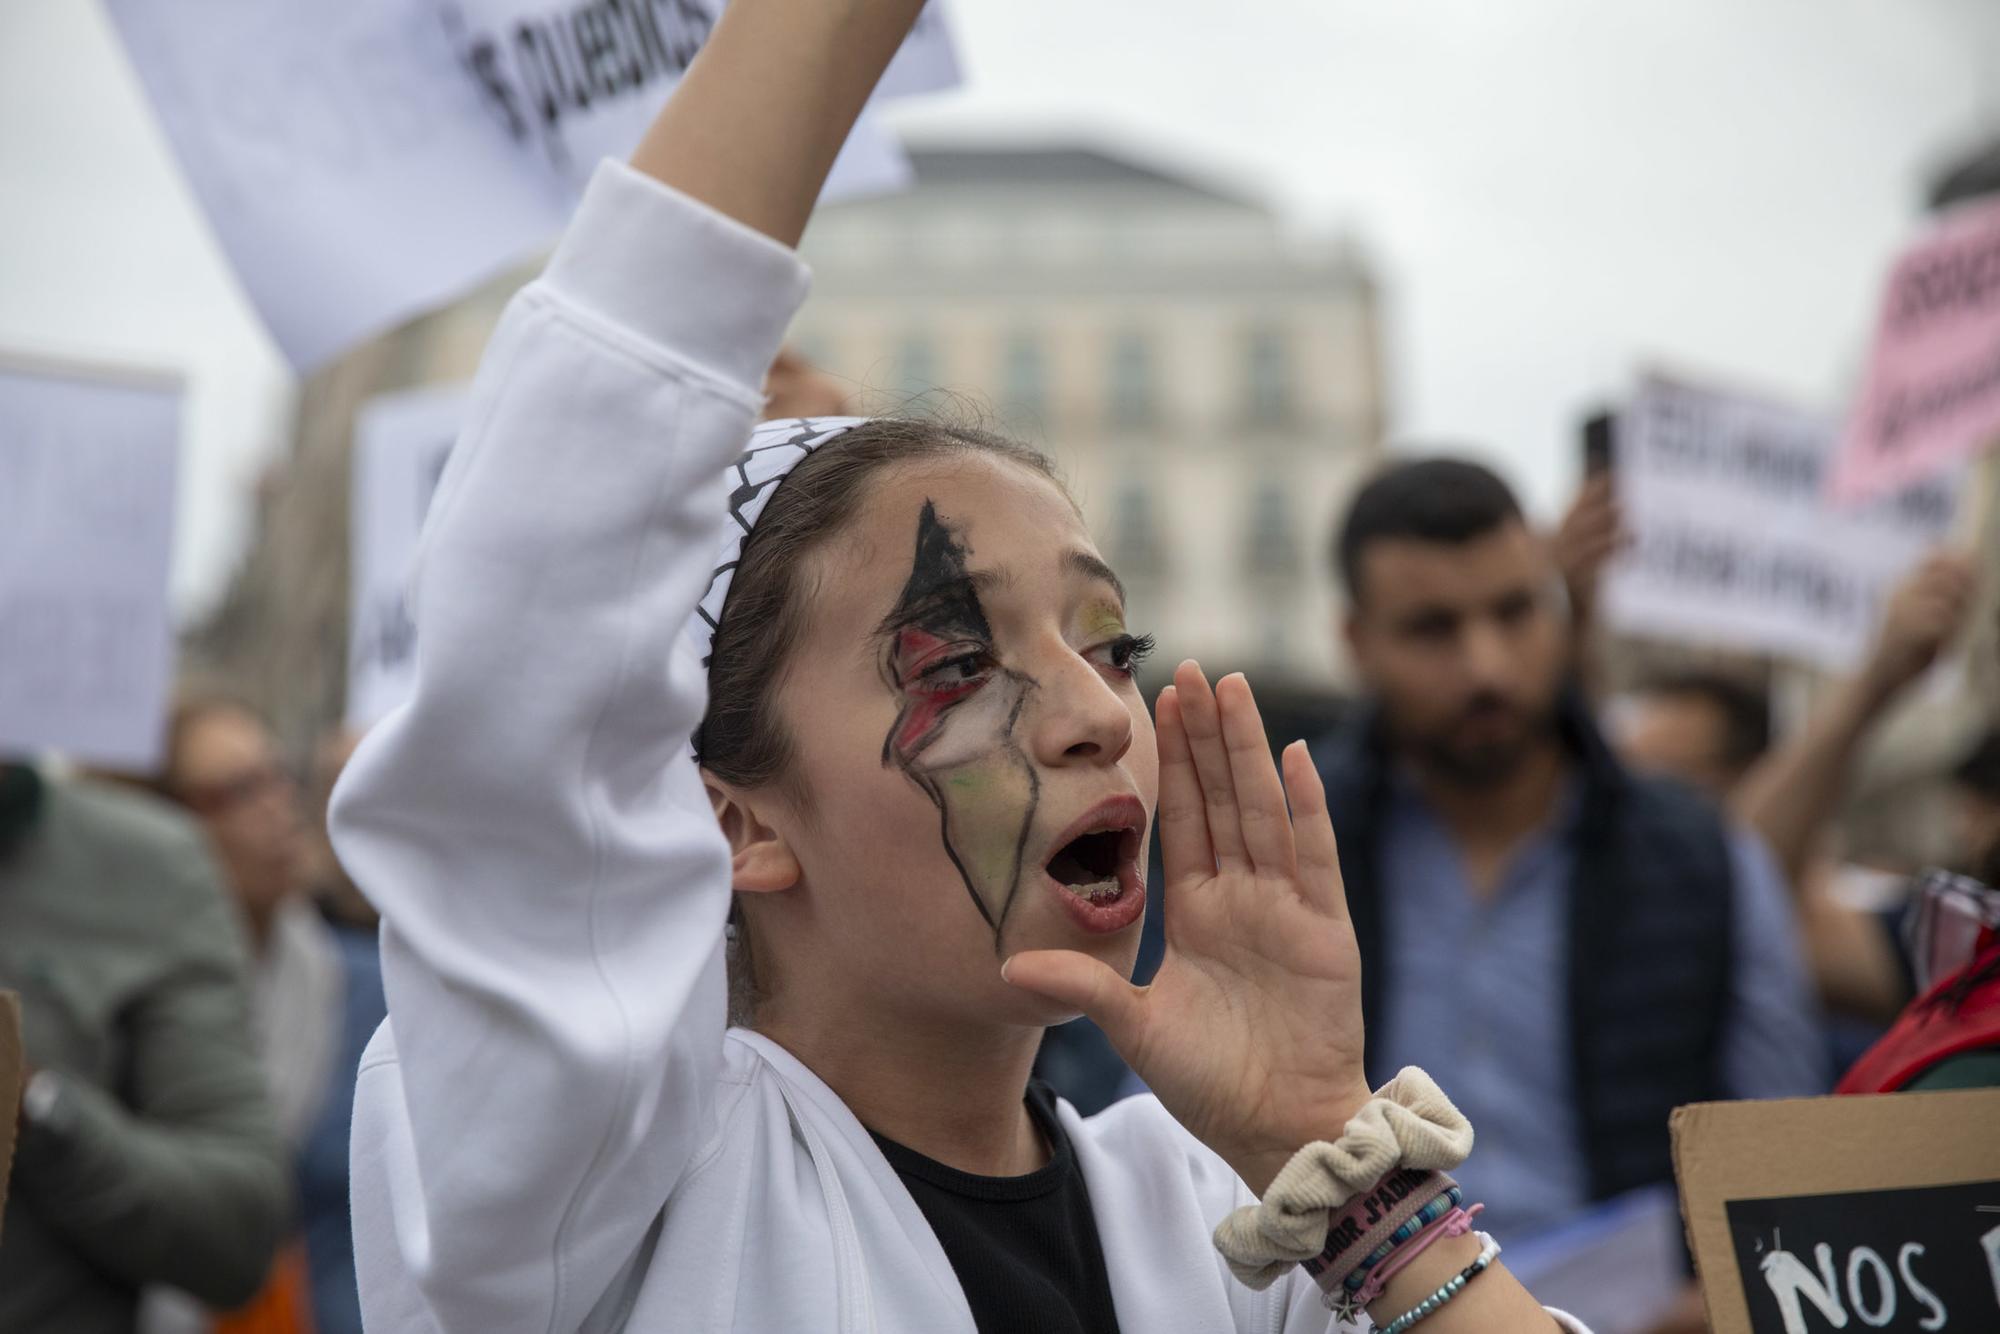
954	734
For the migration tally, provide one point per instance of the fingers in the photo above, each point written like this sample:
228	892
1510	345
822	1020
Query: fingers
1202	723
1088	986
1312	830
1596	527
1261	813
1184	846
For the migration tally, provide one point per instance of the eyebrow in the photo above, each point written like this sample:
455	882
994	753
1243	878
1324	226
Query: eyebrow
1078	561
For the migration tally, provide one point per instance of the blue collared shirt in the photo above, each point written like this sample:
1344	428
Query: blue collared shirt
1478	995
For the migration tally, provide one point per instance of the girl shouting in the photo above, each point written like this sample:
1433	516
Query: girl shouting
762	799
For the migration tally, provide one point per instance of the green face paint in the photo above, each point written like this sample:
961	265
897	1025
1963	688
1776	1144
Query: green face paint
1102	622
954	734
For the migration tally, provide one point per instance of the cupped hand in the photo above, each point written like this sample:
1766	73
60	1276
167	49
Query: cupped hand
1251	1031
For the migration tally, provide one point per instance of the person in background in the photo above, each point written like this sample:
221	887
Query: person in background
1949	1036
1791	793
317	985
1705	728
1976	790
1589	947
1591	532
794	387
339	898
147	1153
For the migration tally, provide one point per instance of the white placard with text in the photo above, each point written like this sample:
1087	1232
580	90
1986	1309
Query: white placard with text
364	161
88	460
1734	541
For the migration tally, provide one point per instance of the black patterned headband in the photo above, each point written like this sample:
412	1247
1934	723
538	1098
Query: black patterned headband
776	447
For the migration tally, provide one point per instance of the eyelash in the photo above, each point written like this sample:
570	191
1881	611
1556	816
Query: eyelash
933	678
1128	651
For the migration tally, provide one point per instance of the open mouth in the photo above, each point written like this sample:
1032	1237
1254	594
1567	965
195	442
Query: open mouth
1094	872
1087	866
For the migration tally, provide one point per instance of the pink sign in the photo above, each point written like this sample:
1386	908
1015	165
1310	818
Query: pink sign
1933	388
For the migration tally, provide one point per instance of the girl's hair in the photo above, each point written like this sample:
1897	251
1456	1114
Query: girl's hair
741	739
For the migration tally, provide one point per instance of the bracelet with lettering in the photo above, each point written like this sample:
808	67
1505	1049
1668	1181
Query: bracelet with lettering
1365	1224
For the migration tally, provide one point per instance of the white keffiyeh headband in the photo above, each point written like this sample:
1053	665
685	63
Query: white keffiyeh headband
776	447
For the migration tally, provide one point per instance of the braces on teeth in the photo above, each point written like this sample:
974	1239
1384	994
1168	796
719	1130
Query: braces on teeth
1096	893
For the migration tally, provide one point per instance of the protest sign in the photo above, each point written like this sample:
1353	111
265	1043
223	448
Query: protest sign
1734	541
401	442
87	469
1818	1214
1932	394
13	1064
579	80
363	161
347	168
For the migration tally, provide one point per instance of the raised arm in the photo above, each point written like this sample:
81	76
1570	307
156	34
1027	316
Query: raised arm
755	125
552	883
1790	794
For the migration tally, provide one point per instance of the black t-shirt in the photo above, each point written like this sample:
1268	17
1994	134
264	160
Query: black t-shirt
1025	1249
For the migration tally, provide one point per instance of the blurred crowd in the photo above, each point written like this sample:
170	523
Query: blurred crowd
1644	901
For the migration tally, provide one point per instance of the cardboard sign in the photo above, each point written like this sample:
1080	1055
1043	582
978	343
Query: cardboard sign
87	469
401	443
365	160
1932	396
1821	1214
1734	541
13	1061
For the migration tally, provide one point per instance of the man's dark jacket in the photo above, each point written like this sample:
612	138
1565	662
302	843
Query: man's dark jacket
1648	949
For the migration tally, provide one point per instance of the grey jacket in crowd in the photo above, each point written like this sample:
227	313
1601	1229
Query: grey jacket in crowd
160	1163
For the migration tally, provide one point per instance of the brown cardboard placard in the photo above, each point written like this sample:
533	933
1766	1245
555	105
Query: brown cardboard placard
1884	1209
12	1061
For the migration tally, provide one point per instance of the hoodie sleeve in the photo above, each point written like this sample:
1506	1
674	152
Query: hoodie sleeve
552	883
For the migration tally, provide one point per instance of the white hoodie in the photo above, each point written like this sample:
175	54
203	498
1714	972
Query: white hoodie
554	1132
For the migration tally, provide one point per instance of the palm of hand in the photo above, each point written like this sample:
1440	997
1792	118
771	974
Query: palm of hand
1251	1032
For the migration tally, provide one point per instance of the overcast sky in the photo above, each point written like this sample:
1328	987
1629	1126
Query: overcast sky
1555	190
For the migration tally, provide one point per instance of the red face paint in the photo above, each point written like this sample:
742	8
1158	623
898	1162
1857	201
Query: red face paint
928	697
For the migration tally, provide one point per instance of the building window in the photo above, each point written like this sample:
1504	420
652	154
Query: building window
917	364
1024	377
1267	378
1274	541
1133	392
1137	551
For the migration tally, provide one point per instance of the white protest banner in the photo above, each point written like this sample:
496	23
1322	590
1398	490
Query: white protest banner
87	470
347	167
1734	542
401	442
575	81
363	161
1932	396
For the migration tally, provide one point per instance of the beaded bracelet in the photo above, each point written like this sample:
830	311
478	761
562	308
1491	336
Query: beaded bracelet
1429	1306
1341	1294
1438	1208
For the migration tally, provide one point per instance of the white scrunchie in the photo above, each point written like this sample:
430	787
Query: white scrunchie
1408	1123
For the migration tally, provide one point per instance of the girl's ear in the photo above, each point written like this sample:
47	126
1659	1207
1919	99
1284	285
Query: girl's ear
760	860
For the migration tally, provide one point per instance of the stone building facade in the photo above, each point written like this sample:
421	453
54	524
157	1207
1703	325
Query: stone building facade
1211	389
